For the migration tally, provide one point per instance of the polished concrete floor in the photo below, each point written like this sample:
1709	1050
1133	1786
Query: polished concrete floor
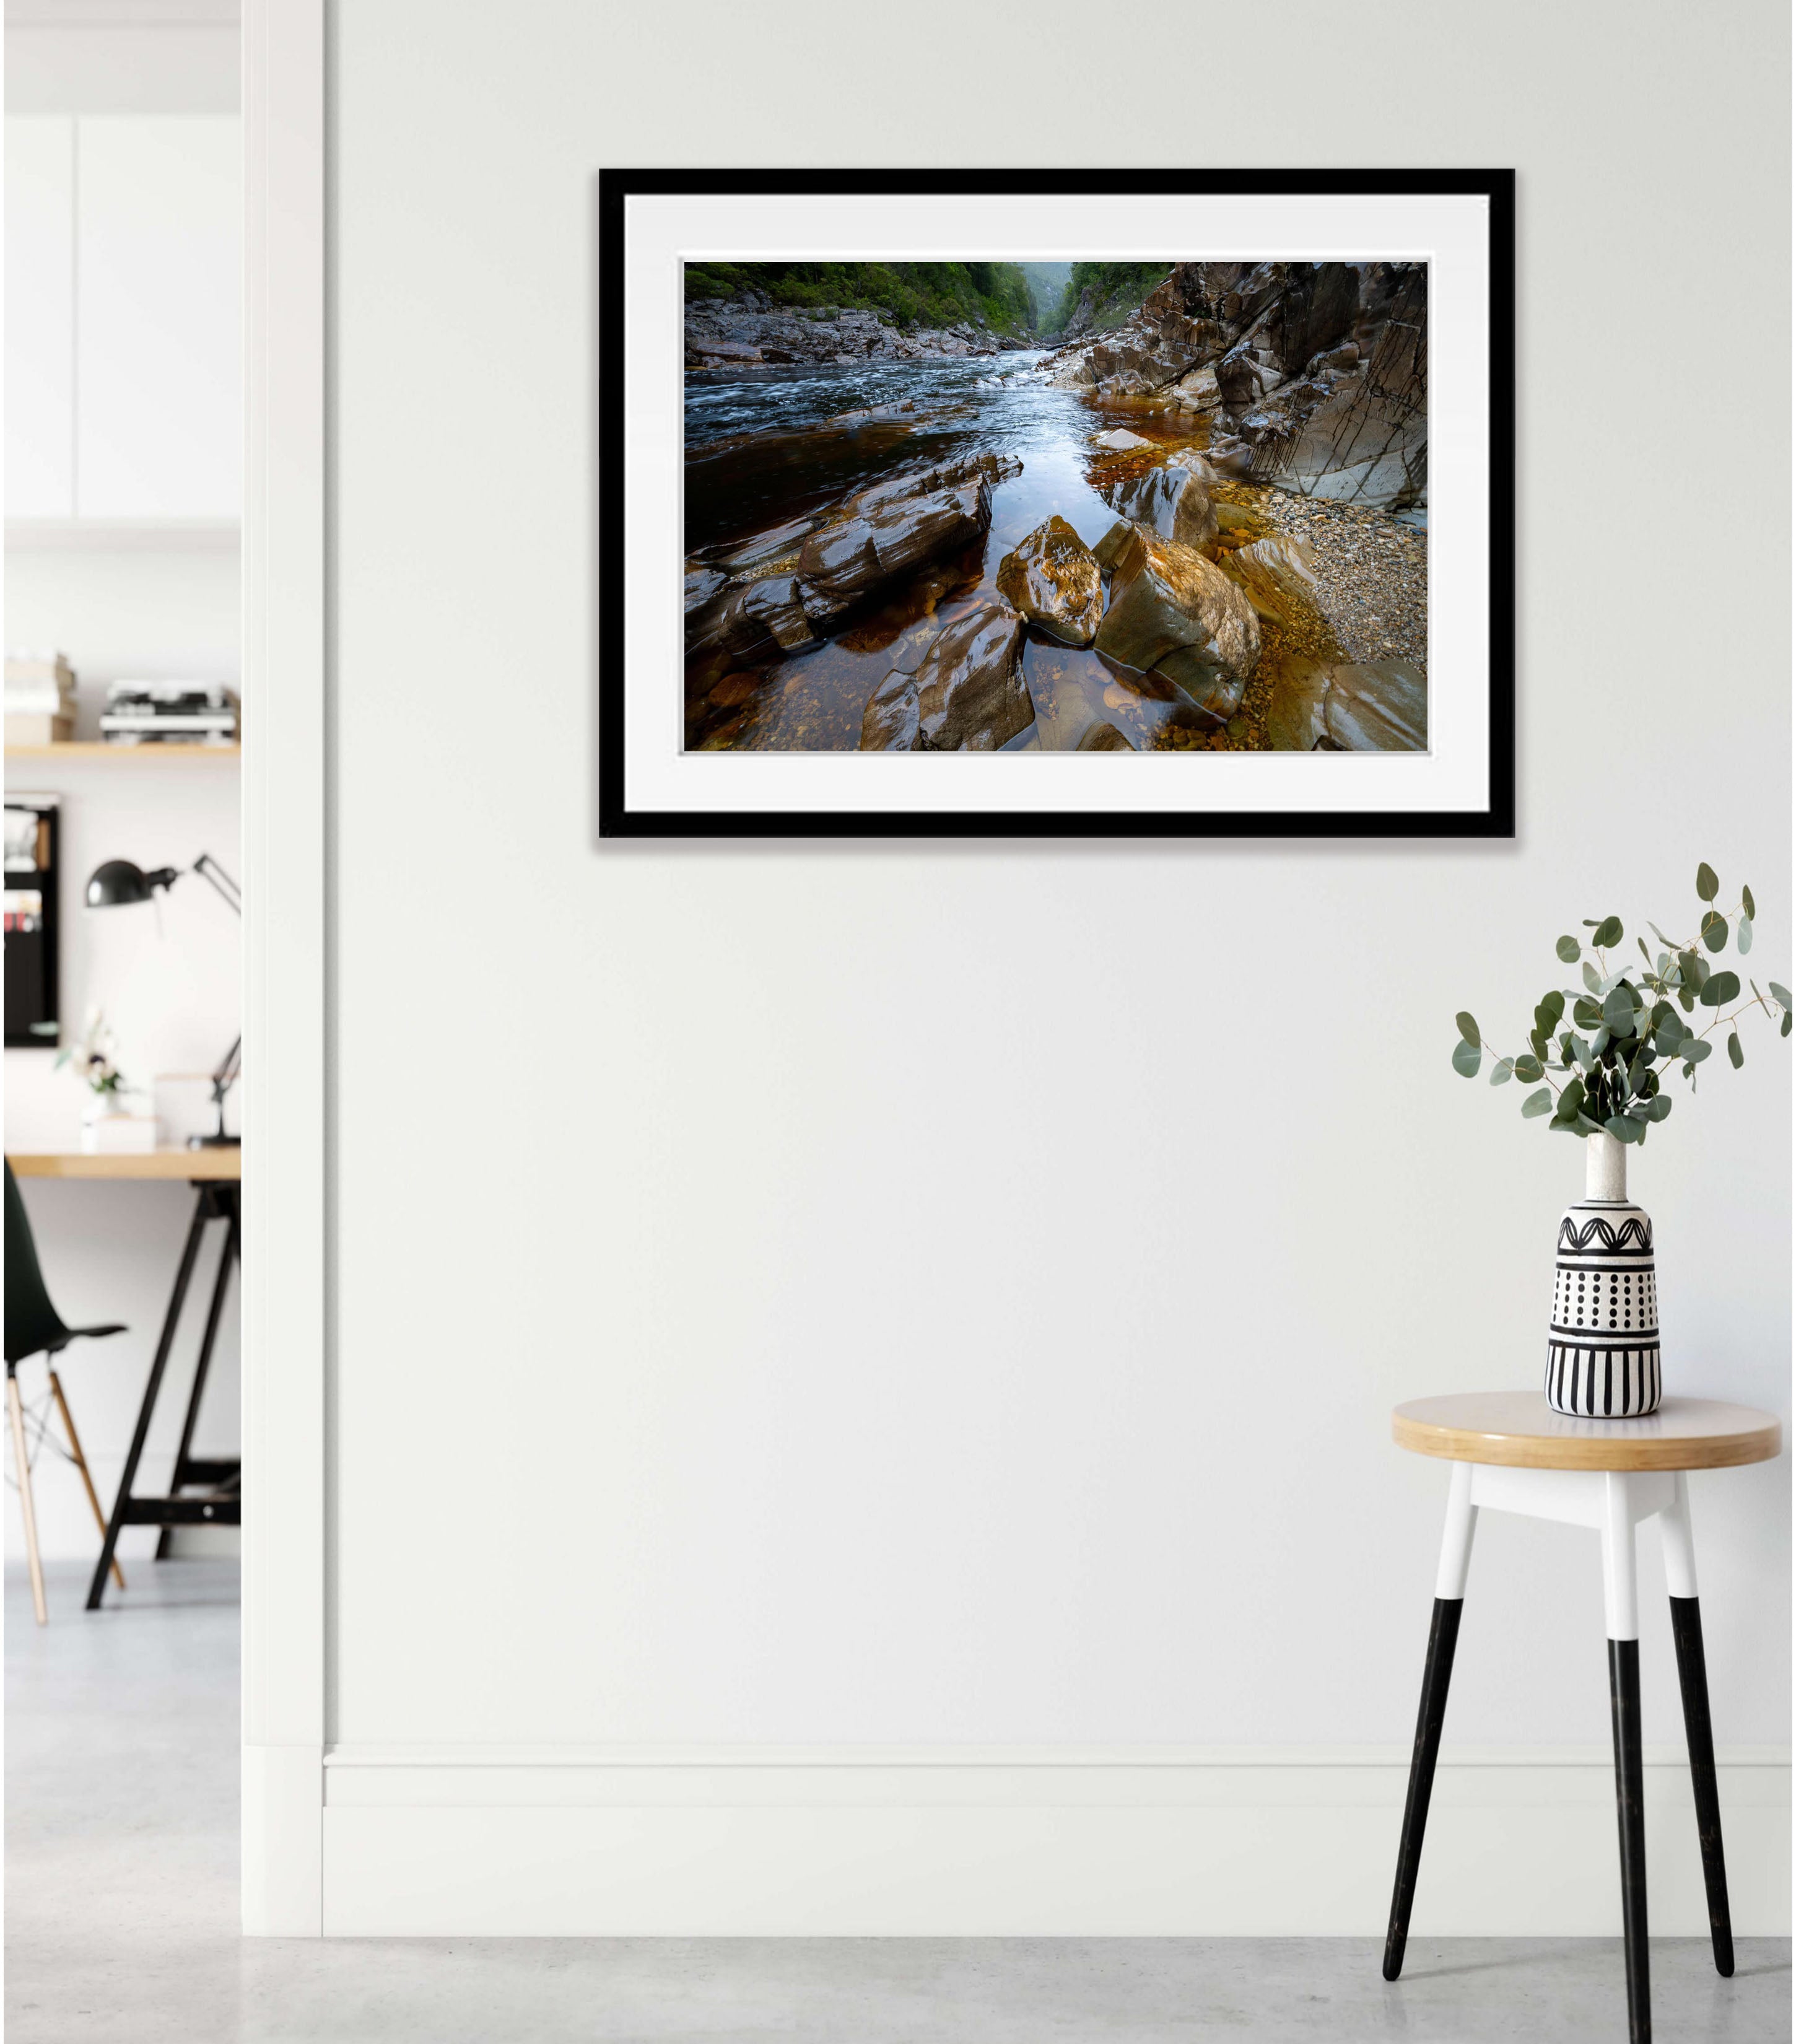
121	1868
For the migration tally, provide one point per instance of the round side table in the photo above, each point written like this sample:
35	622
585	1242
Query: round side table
1511	1452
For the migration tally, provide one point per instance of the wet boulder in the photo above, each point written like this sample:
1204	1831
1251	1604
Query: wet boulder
779	545
1171	500
889	724
841	563
1119	441
971	695
706	588
1102	737
1113	546
1164	597
1052	579
774	606
1198	390
1346	707
1276	579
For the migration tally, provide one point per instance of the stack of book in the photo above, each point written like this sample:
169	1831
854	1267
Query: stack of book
40	699
169	713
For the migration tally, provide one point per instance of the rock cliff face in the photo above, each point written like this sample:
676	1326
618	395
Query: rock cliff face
1314	374
749	331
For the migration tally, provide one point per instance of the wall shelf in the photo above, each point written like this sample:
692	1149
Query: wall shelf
87	748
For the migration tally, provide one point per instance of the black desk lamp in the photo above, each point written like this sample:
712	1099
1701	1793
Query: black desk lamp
118	884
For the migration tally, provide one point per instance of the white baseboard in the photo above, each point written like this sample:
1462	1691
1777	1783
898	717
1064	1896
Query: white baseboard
465	1842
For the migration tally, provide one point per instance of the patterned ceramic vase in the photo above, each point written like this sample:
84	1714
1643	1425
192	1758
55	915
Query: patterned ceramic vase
1602	1347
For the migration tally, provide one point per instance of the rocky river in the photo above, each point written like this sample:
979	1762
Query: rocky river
1205	530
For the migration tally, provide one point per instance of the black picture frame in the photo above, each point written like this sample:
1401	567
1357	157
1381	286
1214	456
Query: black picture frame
616	819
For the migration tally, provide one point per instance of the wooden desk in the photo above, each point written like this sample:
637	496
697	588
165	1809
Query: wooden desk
194	1166
215	1175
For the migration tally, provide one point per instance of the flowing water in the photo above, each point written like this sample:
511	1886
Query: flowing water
761	449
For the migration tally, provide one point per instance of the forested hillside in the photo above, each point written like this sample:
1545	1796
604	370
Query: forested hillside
927	294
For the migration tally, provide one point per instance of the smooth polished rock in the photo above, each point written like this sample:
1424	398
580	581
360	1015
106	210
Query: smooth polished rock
1276	577
1164	596
971	695
1171	500
1342	706
1052	577
1119	441
1101	737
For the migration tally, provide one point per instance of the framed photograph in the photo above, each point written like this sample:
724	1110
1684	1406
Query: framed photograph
1055	504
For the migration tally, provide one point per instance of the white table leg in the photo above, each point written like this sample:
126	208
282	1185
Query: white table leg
1621	1594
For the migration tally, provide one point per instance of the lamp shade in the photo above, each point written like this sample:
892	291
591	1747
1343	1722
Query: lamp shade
118	884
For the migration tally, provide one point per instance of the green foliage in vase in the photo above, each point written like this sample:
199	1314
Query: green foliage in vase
1631	1024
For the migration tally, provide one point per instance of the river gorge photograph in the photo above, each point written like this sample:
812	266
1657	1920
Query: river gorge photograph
1057	506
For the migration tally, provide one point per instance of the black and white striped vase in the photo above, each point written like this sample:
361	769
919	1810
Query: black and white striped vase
1602	1348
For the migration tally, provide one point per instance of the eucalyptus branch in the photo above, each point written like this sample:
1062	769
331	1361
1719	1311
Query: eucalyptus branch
1614	1081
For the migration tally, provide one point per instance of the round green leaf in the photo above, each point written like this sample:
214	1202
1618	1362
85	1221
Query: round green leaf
1742	933
1715	932
1785	1030
1695	1050
1537	1104
1467	1028
1718	987
1658	1107
1625	1128
1593	979
1569	949
1707	885
1737	1057
1502	1071
1746	903
1668	1035
1780	994
1467	1058
1586	1014
1608	933
1529	1069
1618	1011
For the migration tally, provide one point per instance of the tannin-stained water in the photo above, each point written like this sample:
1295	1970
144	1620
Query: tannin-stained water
760	449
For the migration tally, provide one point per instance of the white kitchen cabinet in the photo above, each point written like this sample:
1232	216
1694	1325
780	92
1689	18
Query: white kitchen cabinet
157	319
40	316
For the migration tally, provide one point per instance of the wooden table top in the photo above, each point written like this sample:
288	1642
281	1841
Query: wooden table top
1519	1430
186	1166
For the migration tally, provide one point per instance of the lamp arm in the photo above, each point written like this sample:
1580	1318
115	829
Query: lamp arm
222	883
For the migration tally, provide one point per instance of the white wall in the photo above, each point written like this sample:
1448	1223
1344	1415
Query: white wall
945	1296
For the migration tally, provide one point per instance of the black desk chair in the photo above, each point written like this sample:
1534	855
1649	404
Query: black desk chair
35	1327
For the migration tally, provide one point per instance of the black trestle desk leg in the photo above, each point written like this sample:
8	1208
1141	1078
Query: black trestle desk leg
228	1256
1443	1636
1624	1707
97	1590
1693	1679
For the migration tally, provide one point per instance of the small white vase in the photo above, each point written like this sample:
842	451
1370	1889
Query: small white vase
1602	1346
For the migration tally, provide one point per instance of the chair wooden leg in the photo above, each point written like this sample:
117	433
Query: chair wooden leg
81	1464
15	1413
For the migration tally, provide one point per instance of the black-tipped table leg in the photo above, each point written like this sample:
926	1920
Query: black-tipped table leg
1693	1678
1437	1673
1630	1818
